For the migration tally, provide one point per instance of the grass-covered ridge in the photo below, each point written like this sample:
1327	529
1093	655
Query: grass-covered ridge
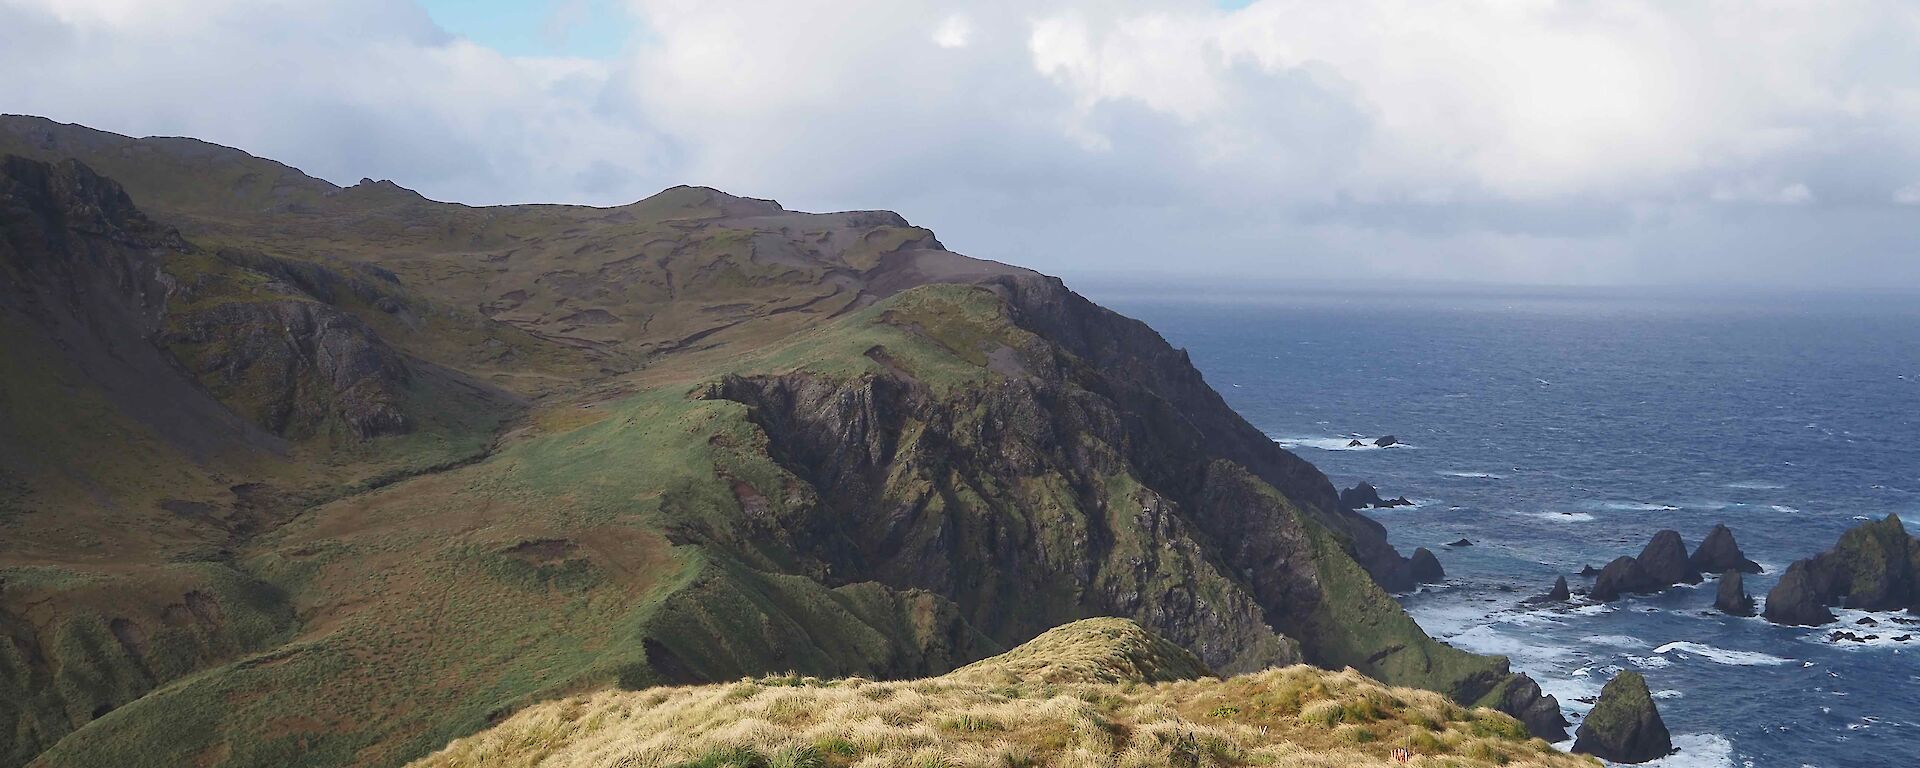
1049	703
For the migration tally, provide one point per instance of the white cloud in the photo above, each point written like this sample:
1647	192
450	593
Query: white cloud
1534	140
1908	195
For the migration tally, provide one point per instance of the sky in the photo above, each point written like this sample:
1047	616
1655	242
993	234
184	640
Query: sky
1636	142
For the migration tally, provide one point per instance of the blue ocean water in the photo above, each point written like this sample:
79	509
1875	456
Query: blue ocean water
1560	430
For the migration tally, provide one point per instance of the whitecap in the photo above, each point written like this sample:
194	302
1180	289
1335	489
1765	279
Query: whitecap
1617	641
1651	662
1697	750
1330	443
1722	655
1562	517
1667	694
1783	509
1470	475
1637	506
1755	485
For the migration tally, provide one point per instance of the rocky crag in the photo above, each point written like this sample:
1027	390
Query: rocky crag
1875	566
342	473
1624	726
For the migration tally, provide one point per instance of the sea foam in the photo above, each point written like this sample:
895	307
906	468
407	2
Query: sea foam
1722	655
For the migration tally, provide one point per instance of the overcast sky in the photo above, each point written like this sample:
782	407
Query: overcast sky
1768	143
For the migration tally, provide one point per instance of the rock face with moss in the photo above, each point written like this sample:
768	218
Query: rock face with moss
1875	567
507	454
1624	726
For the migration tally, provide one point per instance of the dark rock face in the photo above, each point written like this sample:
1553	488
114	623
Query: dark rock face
1557	594
1623	575
1624	727
1798	599
1665	560
1387	441
1360	496
1875	567
1662	564
1426	567
292	365
1718	553
1731	597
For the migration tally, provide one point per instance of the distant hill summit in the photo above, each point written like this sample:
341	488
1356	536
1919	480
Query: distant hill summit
1098	692
291	472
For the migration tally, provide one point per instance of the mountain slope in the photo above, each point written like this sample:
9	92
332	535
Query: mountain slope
690	439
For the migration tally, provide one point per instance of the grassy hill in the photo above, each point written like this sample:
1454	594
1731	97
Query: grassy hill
301	473
1099	692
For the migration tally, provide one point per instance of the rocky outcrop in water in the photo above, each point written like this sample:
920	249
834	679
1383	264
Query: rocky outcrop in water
1360	496
1426	567
1662	564
1731	596
1386	441
1625	726
1558	593
1719	553
1874	567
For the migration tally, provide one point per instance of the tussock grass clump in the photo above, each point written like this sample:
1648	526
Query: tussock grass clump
1075	701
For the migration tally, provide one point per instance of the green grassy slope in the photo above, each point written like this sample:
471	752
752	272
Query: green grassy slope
691	439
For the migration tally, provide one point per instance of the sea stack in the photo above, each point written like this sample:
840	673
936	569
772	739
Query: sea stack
1360	496
1624	727
1558	594
1718	553
1665	560
1731	597
1874	567
1426	567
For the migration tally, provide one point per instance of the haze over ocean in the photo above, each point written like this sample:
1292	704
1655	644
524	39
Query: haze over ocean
1560	429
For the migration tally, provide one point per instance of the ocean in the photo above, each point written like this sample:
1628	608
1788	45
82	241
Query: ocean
1560	429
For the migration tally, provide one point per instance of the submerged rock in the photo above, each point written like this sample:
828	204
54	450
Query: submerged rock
1718	553
1589	571
1355	444
1426	567
1387	441
1398	501
1874	567
1625	726
1461	543
1731	597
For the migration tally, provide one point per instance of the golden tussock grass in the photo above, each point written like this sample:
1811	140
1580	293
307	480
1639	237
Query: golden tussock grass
1296	717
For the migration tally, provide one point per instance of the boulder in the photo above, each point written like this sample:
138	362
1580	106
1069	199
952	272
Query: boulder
1731	597
1360	496
1875	567
1867	621
1718	553
1665	561
1399	501
1557	594
1625	726
1798	600
1426	567
1386	441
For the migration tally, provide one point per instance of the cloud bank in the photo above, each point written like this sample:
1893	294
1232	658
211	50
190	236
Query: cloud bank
1533	141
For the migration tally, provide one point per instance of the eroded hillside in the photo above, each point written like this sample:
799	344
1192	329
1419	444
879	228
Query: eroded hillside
420	465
